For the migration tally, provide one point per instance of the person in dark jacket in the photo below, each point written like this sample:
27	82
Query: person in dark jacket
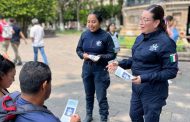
153	63
35	84
96	47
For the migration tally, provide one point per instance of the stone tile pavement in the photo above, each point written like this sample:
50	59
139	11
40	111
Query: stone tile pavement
67	83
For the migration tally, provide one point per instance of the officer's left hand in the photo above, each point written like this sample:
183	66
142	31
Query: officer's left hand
136	80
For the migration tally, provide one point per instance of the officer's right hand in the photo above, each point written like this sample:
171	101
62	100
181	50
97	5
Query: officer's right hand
112	67
85	56
75	118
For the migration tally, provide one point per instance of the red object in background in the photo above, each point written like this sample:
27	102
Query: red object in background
1	29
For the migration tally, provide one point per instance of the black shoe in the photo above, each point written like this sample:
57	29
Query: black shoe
19	63
104	119
88	118
14	61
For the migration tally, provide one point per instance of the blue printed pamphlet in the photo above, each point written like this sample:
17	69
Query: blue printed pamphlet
120	72
69	110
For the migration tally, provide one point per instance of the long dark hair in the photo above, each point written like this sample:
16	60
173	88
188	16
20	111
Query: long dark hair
158	14
169	18
108	27
5	66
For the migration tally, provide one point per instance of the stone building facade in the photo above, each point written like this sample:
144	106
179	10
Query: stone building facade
132	10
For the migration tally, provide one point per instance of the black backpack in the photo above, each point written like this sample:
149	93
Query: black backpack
9	110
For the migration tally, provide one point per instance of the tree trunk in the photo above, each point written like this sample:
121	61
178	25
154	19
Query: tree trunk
61	25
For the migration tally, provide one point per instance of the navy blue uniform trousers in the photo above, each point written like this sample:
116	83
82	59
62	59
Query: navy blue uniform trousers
96	80
147	100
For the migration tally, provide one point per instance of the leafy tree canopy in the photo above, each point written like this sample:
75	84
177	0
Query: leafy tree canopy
45	10
109	11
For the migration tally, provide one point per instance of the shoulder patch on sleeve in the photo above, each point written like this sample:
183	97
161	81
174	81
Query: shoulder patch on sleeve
173	57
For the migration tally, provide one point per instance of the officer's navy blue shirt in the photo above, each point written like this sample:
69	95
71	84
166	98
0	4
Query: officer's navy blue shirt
96	43
151	55
36	116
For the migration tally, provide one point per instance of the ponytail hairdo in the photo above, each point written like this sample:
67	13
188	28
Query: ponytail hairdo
158	14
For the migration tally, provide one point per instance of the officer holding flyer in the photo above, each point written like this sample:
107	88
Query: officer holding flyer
96	47
153	63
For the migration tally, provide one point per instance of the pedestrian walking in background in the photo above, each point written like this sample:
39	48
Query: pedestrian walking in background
37	36
97	42
15	41
111	29
6	35
171	28
153	63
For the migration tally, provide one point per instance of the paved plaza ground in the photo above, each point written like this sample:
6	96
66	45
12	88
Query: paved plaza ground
67	83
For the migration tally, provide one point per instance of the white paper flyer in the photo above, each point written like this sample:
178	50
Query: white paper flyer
69	110
120	72
94	58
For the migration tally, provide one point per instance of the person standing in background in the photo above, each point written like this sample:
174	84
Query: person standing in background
111	29
96	79
172	32
171	29
37	35
6	35
15	41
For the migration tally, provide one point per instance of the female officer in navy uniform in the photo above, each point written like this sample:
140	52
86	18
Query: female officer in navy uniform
97	42
153	62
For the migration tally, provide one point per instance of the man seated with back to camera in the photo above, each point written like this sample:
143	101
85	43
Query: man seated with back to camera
35	83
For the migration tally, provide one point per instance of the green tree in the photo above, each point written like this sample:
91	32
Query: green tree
108	11
85	8
70	8
111	11
24	10
43	9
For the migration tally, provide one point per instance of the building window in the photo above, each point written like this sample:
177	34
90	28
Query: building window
141	2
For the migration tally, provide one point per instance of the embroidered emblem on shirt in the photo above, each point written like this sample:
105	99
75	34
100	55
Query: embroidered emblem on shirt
153	47
99	43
